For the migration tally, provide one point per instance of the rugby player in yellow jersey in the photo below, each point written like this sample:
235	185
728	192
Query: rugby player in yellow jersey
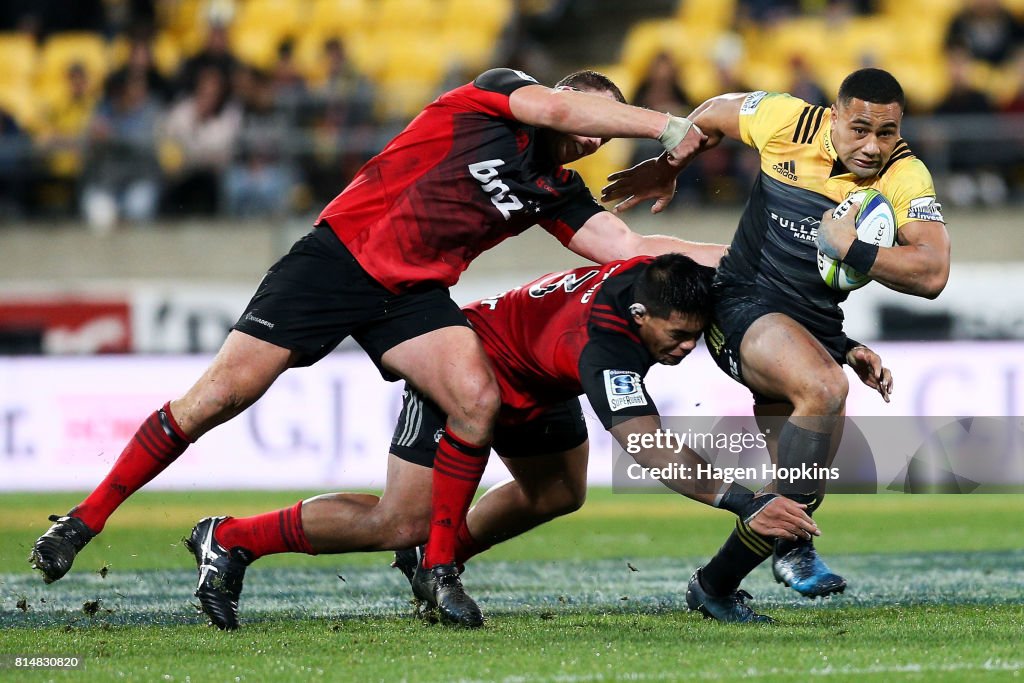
778	327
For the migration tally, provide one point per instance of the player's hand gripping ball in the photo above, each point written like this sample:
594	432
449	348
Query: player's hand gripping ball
876	224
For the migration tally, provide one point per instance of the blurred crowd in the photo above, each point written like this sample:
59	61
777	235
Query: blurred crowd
218	136
215	137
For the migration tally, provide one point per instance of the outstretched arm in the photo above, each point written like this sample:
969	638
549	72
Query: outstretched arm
767	514
605	237
592	115
717	118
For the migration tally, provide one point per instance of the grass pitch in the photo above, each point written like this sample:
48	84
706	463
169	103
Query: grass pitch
937	593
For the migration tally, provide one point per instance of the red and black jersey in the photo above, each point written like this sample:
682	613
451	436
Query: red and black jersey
463	176
566	334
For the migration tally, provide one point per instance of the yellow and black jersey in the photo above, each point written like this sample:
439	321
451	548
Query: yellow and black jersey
773	255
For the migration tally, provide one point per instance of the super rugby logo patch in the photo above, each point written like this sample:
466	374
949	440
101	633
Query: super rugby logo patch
624	389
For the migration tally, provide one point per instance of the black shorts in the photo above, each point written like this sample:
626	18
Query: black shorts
733	316
421	424
317	294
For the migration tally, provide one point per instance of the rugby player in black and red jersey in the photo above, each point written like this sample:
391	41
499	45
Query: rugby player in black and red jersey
482	163
595	330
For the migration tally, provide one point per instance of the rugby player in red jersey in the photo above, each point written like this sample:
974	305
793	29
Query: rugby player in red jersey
480	164
595	330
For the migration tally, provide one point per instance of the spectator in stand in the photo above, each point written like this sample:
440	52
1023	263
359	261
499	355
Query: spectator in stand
987	31
287	82
140	61
660	90
346	91
122	173
215	53
963	97
804	85
975	173
200	135
343	126
63	123
262	180
15	155
1014	102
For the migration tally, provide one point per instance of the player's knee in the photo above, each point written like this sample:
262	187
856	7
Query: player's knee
827	396
477	400
561	500
406	531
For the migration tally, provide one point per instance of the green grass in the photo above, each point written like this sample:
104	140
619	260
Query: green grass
843	644
936	594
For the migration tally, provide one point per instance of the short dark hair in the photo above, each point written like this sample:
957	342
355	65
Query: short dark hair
872	85
675	283
591	80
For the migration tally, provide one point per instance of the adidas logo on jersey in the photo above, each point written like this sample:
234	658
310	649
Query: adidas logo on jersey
786	169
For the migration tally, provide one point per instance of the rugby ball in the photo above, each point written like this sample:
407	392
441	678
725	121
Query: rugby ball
876	224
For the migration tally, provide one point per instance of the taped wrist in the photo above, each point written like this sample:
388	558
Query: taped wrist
861	256
736	499
675	130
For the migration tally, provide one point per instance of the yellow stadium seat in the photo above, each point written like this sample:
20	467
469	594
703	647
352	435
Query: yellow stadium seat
20	101
1015	6
706	15
411	76
646	39
868	40
255	45
911	13
61	50
471	48
490	16
309	56
407	15
284	17
180	17
924	83
595	169
18	55
412	56
700	81
807	38
366	54
340	17
167	53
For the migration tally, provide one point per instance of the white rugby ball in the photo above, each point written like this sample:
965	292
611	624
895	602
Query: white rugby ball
876	224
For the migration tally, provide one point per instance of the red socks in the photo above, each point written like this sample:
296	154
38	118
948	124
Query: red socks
272	532
458	467
157	443
467	546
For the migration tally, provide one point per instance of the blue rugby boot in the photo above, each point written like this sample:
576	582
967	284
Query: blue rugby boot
728	609
797	565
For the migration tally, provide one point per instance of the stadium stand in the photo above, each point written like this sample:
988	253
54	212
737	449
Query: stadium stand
410	50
